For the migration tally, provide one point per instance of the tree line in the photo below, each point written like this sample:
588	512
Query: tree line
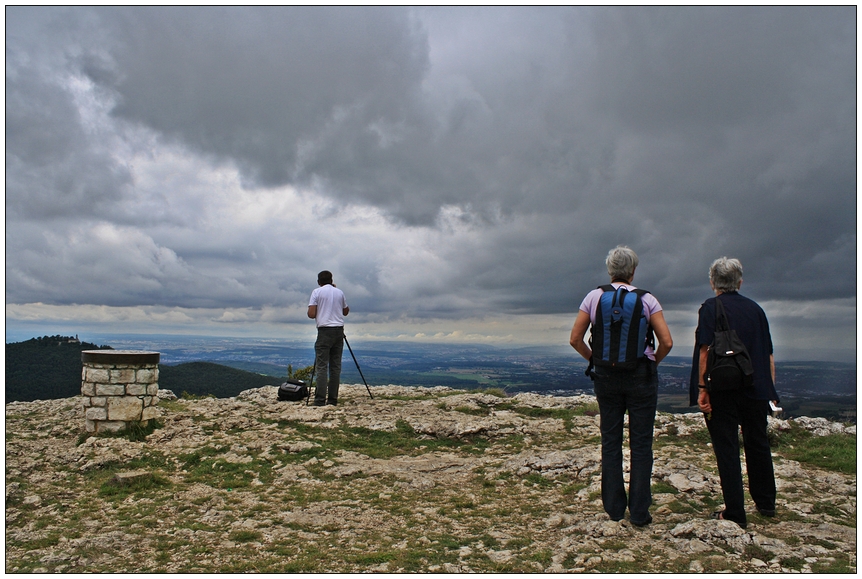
49	367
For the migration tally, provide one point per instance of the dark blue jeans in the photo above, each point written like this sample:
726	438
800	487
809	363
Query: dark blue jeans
327	364
635	392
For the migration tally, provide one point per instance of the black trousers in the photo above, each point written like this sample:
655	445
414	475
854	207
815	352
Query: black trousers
634	392
732	411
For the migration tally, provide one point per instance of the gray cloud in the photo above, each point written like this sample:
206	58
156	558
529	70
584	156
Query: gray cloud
218	157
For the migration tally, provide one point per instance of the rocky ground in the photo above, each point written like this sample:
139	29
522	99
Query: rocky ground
415	480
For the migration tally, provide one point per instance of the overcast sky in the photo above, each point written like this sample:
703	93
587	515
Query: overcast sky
463	172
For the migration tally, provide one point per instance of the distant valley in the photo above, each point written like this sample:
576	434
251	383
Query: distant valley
806	388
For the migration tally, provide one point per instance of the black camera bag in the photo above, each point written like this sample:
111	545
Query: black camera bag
293	390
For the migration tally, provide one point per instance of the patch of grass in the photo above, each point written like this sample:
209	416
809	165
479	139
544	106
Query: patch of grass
756	552
50	540
564	414
374	558
410	397
537	479
793	563
244	536
834	565
715	563
834	452
112	490
134	432
628	567
204	466
574	488
681	507
498	392
189	396
173	405
381	444
139	431
663	487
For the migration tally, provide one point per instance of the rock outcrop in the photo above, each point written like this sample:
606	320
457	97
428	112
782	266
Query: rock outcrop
415	480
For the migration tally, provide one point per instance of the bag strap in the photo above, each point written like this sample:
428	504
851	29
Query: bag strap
721	323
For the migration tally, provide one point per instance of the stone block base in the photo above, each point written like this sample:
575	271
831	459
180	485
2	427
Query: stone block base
119	388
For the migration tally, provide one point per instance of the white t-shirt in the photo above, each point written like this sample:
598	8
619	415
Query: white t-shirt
330	304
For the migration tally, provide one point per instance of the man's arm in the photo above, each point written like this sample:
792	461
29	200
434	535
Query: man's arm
312	312
345	311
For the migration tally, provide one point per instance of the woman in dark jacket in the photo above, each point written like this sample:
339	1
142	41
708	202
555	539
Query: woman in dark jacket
726	412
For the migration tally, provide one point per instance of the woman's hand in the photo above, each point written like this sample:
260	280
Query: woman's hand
703	401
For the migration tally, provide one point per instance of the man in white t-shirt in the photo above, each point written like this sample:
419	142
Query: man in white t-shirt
327	307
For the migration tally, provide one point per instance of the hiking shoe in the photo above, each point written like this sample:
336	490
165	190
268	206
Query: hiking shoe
643	524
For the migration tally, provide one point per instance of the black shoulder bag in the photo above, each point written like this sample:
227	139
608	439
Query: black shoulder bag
728	364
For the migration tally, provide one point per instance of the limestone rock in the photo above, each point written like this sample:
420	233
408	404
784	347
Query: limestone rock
470	482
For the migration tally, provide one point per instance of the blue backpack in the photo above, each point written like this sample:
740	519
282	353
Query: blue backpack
620	333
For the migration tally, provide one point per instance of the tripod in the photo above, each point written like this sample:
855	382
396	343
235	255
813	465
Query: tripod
352	355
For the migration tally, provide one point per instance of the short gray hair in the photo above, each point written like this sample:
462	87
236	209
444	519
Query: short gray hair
621	262
726	274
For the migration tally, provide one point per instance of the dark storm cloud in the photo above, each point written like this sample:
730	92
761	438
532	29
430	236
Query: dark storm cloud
255	85
742	116
509	147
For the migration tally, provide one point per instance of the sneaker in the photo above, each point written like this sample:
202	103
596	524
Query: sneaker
766	512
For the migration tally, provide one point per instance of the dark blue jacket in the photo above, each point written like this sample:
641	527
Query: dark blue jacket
749	321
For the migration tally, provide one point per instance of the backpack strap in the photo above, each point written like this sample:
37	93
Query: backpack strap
589	371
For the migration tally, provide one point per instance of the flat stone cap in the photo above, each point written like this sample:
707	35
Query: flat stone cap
119	357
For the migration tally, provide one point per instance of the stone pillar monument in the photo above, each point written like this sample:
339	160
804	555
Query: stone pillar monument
119	387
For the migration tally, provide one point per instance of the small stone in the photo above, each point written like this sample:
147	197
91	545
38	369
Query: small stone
33	500
499	556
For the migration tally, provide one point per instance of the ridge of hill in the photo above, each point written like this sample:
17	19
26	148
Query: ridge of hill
414	480
209	379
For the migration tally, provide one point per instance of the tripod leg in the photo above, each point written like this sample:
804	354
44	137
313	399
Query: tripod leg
311	382
358	368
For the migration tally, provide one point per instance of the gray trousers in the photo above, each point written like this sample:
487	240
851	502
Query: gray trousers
327	365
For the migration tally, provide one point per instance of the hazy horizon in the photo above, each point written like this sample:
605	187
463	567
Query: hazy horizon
104	339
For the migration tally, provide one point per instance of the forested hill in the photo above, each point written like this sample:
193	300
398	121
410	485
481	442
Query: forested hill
49	368
209	379
45	368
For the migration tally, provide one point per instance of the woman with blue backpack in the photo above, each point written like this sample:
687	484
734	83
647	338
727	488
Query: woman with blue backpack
625	322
